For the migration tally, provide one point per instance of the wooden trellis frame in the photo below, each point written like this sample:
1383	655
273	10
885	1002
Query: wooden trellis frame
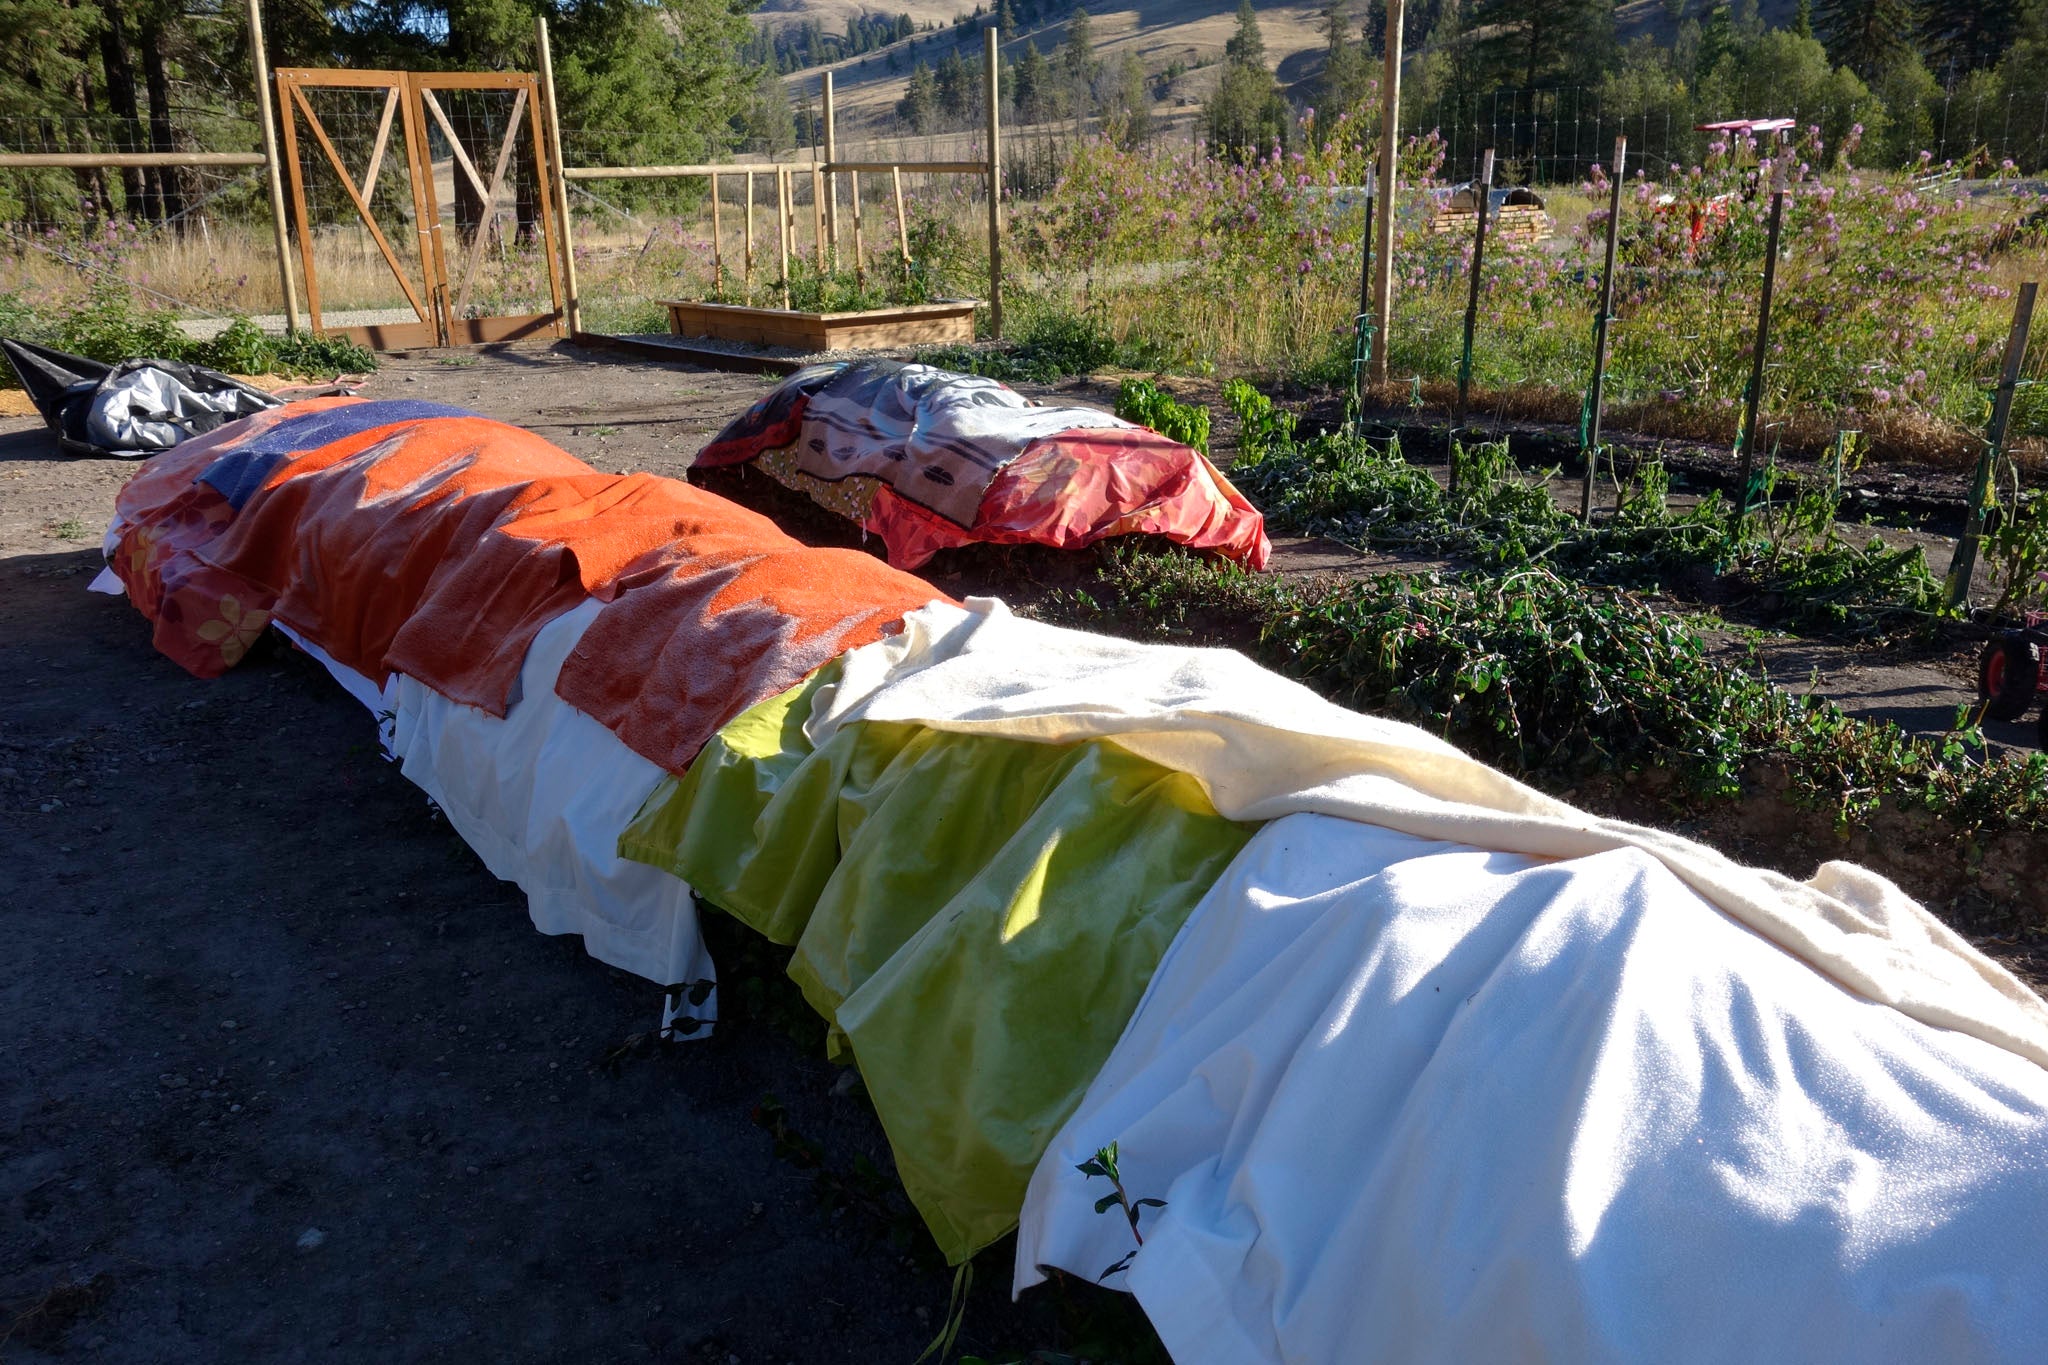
825	173
411	99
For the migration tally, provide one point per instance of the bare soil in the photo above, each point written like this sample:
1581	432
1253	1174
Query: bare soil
290	1076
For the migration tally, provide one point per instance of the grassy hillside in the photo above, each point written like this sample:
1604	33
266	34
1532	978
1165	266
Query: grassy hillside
1161	31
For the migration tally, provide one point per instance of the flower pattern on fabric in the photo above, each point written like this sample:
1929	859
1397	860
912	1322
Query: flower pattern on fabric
852	497
235	629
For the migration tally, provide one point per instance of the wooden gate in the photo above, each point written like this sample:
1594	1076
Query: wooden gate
475	171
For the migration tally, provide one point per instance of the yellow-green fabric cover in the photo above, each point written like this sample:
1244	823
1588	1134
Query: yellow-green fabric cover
976	916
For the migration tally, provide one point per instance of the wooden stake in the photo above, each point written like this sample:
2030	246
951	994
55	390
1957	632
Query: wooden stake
291	153
562	181
1965	562
818	217
552	198
860	265
831	177
1472	298
750	230
272	170
782	217
995	183
1746	454
1597	395
426	210
1390	138
717	241
902	223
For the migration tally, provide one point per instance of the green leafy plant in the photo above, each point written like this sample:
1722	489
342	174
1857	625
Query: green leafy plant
107	325
1791	559
1264	428
1052	345
1144	402
240	348
1104	1165
2017	549
320	356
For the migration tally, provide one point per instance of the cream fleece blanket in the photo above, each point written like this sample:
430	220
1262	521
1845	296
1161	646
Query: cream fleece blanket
1265	747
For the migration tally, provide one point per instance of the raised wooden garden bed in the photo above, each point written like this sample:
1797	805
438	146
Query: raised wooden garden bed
909	325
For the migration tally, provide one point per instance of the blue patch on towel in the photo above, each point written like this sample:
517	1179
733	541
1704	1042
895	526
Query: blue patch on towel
239	473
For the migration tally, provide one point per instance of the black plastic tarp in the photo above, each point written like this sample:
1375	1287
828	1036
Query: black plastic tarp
129	410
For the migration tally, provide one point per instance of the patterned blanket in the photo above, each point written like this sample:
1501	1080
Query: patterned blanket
930	460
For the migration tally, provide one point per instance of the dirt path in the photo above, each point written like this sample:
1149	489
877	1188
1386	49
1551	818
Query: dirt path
290	1076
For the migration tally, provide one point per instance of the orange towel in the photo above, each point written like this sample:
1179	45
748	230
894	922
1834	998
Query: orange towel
437	547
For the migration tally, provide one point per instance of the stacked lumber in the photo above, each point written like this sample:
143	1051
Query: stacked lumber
1514	224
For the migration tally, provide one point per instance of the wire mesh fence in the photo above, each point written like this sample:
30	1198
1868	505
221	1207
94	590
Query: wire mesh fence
1556	136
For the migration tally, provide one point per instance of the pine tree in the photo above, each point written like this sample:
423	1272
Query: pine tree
1247	46
920	100
1078	67
1965	35
1717	37
1347	71
1802	21
952	82
1248	114
1866	35
770	127
1532	43
1030	85
1133	114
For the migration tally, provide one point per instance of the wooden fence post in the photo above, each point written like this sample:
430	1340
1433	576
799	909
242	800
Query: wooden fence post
1597	394
1746	463
860	270
782	217
717	241
1472	298
902	224
750	231
995	185
574	300
818	217
1965	562
273	171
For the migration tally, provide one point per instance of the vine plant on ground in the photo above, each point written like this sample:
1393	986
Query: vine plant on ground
1555	682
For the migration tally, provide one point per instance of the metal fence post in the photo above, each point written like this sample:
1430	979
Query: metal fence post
1361	325
1596	395
1965	562
831	182
1472	297
1746	449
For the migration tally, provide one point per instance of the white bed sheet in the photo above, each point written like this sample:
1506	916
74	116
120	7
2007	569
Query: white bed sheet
1411	1102
542	795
